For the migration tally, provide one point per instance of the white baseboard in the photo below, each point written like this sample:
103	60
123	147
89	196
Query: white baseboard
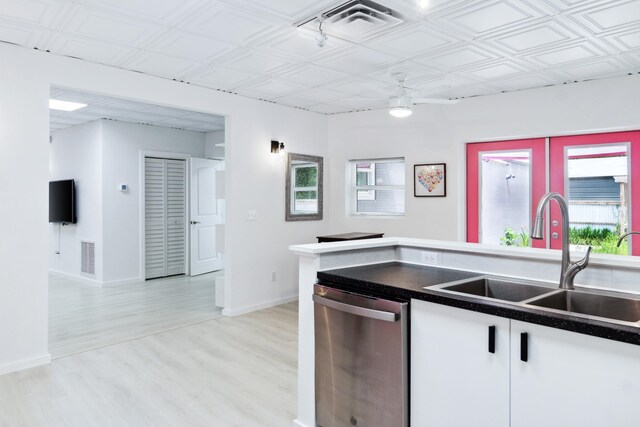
83	279
25	364
256	307
95	282
298	423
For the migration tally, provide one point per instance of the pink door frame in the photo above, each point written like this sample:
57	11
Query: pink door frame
557	179
537	146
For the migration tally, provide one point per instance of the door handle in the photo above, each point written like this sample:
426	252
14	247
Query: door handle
194	222
492	339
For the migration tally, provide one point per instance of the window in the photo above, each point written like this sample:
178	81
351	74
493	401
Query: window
304	188
377	186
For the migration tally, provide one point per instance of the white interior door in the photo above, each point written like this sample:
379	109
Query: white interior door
206	216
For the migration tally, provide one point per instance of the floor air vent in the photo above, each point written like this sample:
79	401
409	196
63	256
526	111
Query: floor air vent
355	20
88	254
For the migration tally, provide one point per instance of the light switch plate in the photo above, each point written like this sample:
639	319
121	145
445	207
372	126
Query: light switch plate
252	215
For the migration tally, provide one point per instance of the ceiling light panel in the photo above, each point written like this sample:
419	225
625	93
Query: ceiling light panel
57	104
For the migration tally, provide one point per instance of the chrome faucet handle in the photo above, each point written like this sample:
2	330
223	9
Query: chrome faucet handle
584	262
574	268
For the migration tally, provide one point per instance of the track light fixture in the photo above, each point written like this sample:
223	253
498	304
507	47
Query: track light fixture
321	39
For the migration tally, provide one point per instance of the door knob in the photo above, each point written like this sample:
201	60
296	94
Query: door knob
194	222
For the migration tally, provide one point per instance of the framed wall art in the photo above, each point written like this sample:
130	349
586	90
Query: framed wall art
430	180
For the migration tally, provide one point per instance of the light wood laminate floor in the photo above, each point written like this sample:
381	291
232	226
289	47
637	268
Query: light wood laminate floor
84	316
227	372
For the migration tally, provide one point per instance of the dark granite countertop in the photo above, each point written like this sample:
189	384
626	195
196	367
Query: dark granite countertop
402	281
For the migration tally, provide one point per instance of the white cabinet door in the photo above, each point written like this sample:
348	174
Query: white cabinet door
573	380
455	379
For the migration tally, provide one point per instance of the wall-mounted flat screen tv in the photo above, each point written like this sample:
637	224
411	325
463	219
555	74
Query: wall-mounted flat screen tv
62	201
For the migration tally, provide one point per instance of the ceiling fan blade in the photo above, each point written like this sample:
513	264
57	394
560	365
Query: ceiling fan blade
435	101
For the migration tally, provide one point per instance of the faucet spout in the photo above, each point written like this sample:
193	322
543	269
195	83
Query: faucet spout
568	270
625	235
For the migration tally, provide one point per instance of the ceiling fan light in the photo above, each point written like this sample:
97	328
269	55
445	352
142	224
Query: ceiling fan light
400	112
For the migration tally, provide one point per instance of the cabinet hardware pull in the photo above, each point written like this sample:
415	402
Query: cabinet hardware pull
524	347
492	339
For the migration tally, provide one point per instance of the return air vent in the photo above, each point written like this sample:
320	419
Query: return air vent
355	20
88	255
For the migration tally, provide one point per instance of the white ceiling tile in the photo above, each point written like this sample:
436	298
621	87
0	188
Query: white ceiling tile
190	46
220	78
565	55
91	50
616	15
289	9
629	40
526	82
227	24
18	33
357	59
312	75
491	16
163	10
109	27
591	70
251	61
494	71
268	89
453	60
161	65
409	42
533	38
41	12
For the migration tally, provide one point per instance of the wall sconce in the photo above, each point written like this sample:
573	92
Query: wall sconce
276	147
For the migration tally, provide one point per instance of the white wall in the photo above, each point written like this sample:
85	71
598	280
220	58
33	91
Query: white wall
254	180
24	176
122	144
213	138
437	133
76	153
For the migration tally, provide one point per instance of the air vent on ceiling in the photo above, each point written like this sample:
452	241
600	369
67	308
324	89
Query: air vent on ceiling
355	20
88	255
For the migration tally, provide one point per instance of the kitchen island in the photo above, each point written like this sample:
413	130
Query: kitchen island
396	267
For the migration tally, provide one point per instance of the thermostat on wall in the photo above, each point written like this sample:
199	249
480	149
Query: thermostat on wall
123	187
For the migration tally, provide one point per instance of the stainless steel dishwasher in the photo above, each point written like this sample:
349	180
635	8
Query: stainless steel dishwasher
361	358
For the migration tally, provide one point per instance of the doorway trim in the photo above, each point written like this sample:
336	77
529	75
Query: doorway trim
141	182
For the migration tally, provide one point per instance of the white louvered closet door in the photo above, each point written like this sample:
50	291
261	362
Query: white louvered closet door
165	217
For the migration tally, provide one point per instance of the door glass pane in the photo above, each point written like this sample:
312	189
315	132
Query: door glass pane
505	197
598	196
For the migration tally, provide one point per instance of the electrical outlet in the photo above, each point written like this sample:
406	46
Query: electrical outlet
430	258
252	215
273	276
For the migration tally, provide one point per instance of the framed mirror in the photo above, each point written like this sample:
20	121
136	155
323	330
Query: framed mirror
303	188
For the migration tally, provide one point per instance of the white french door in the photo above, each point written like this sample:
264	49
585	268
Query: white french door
206	216
165	217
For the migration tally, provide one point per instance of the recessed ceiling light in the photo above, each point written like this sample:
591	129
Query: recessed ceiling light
56	104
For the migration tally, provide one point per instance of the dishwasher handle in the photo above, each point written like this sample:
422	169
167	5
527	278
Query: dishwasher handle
385	316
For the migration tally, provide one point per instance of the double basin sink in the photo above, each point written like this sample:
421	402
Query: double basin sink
579	302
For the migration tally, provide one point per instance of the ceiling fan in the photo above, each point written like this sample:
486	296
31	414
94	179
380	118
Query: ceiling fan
400	104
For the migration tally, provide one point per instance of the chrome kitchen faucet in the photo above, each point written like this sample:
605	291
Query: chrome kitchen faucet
568	269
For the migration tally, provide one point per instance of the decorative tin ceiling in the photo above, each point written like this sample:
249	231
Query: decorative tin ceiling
451	49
